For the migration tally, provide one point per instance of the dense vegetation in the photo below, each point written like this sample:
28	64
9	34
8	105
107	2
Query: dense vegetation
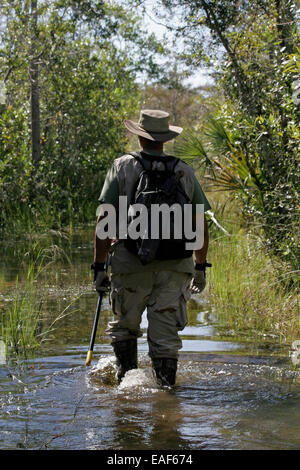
72	70
69	70
251	144
69	74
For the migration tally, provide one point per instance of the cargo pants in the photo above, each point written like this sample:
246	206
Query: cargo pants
164	294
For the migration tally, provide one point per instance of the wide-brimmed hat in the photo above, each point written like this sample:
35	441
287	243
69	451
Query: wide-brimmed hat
153	125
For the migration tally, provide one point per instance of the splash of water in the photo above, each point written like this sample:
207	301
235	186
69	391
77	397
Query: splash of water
104	363
105	370
139	379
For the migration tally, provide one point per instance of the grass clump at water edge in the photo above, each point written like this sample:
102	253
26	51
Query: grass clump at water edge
246	289
22	321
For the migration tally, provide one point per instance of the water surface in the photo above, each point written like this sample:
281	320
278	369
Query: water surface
231	392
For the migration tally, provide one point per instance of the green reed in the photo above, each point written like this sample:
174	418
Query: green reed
248	291
22	321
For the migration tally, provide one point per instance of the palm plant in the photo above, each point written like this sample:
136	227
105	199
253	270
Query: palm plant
230	162
222	161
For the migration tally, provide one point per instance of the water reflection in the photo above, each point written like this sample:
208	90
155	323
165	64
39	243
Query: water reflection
154	423
142	416
168	416
59	403
227	395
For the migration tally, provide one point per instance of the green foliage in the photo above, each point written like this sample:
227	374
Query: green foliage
20	323
251	145
186	105
23	320
87	64
233	161
84	134
14	161
250	298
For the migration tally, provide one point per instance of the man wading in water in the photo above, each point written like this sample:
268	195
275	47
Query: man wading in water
149	274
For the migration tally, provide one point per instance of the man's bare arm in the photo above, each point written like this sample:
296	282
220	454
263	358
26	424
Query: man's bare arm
200	255
101	247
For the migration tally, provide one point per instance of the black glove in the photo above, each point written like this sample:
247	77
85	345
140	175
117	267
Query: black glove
202	267
198	282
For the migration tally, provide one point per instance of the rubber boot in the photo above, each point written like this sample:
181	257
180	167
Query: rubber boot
126	354
165	370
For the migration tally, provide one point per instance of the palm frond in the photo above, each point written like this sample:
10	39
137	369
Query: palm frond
190	148
223	161
218	138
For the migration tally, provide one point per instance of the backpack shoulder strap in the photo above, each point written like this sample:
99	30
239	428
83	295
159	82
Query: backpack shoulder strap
146	160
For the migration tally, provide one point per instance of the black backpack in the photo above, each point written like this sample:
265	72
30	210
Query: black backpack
158	183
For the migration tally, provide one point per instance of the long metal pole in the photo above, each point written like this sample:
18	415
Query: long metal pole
89	355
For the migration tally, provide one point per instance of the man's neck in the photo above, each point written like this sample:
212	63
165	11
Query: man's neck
155	152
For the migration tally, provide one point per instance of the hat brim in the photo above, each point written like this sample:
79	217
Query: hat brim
136	129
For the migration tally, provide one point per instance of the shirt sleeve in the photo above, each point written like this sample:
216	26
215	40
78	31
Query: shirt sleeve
199	197
110	189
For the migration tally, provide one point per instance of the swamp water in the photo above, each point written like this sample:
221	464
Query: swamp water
231	393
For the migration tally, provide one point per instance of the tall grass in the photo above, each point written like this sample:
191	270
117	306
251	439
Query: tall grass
22	321
19	220
245	288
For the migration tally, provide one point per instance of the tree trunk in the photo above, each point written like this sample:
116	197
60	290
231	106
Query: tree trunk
238	72
35	95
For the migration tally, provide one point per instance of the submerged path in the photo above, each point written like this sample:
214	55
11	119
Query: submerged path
231	393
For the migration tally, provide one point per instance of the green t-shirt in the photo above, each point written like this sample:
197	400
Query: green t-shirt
110	191
125	262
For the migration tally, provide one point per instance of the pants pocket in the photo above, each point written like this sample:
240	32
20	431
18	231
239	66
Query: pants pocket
116	297
182	310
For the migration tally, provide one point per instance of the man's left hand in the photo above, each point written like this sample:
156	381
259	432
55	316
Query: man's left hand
101	279
102	282
198	282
